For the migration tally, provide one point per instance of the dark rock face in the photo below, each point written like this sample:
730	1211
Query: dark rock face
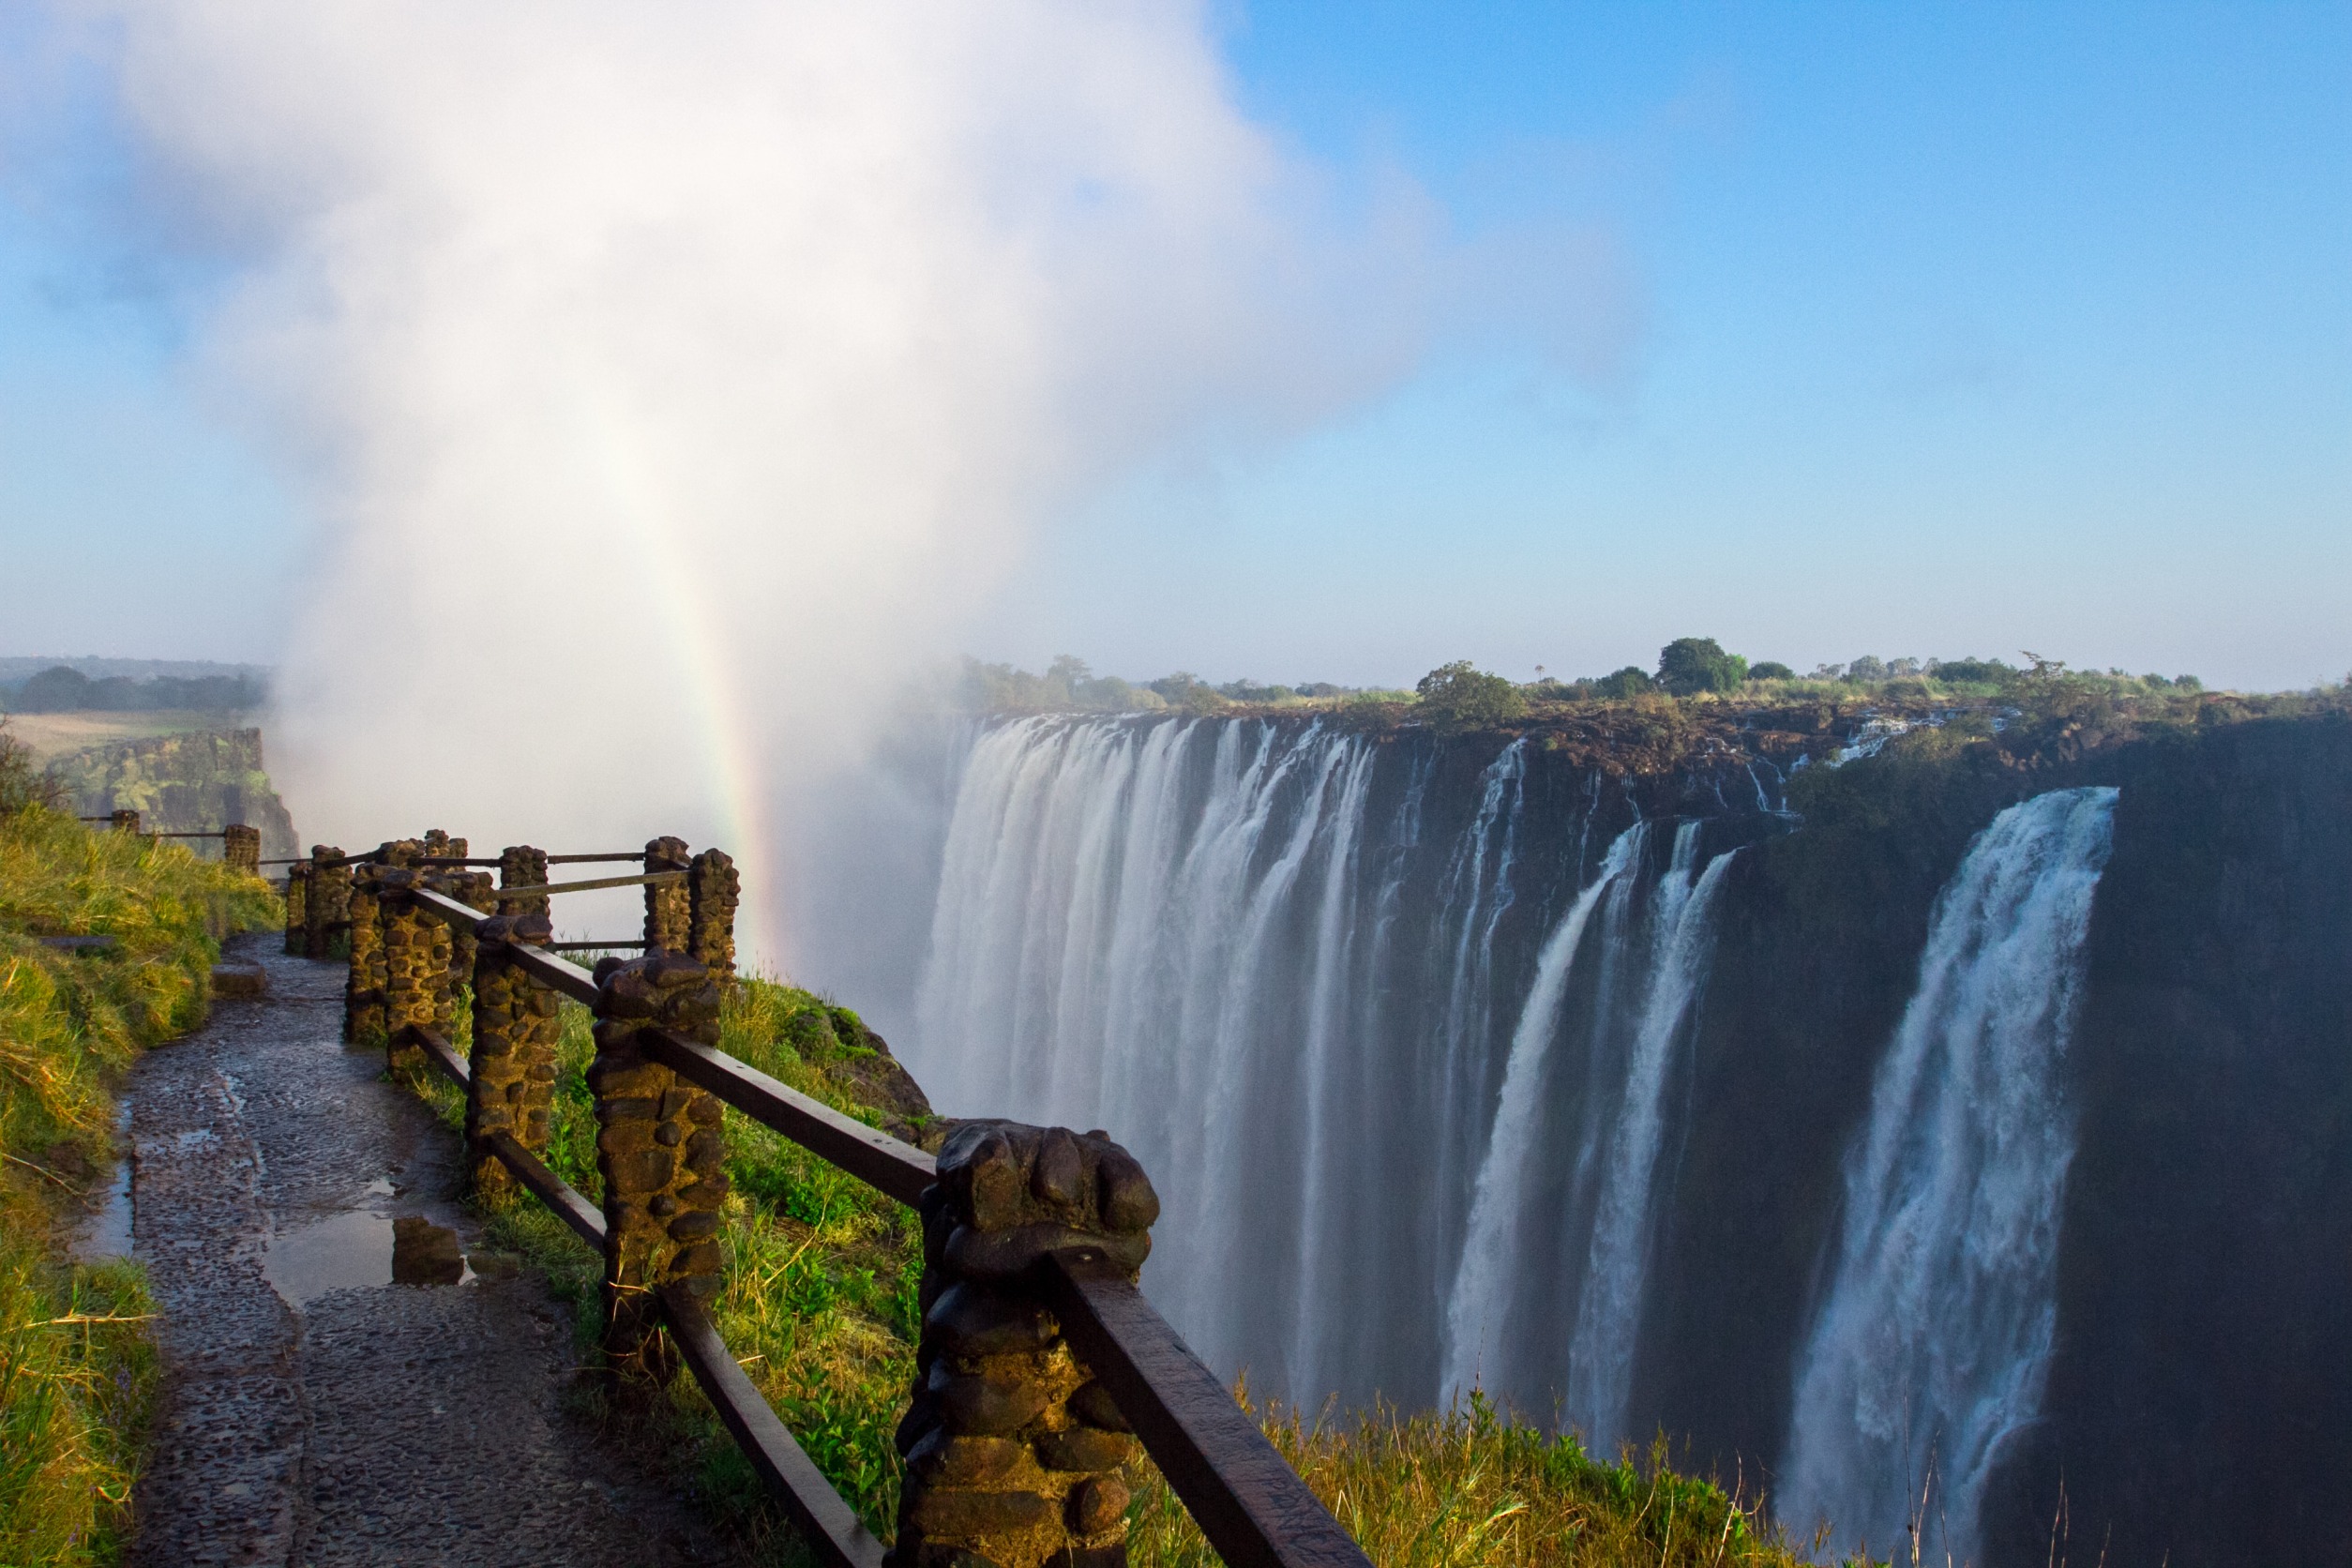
2201	1400
2200	1397
189	783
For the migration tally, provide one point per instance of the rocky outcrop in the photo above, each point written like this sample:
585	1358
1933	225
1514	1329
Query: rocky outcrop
198	782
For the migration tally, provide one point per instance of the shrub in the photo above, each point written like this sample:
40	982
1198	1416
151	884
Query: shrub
1459	696
1626	684
1971	670
1689	665
1771	670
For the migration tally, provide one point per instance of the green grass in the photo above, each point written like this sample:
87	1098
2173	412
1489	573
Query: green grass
77	1364
820	1309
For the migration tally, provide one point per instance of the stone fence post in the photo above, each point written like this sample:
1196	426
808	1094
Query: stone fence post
660	1150
365	986
328	900
1012	1450
241	849
521	866
413	963
297	884
668	906
516	1027
452	945
713	891
123	821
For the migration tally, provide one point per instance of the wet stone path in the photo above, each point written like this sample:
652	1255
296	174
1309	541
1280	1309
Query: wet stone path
315	1411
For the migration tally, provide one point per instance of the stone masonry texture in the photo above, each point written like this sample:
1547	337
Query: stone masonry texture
516	1025
1013	1451
660	1150
668	906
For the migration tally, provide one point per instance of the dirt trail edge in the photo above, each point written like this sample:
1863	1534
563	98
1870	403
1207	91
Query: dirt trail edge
316	1412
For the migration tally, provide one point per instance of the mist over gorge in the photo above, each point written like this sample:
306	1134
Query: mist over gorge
1961	1111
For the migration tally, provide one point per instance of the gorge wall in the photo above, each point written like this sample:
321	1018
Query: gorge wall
193	782
1968	1110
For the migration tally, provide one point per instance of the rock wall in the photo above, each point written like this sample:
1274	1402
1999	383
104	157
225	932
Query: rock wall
196	783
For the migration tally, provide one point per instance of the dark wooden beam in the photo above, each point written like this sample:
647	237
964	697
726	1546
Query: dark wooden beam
1245	1496
538	890
870	1155
831	1529
440	1052
569	1206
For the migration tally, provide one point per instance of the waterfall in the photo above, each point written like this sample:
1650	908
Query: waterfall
1601	1360
1542	1235
1934	1339
1152	927
1362	1017
1476	1346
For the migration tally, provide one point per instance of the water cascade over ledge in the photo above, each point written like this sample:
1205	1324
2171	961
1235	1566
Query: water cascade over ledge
1402	1073
1948	1132
1933	1346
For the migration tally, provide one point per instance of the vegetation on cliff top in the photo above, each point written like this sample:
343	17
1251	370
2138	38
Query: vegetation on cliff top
77	1365
1701	699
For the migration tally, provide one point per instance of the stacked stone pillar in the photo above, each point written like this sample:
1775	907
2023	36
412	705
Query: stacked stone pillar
454	945
123	821
660	1150
1013	1450
516	1027
366	986
328	903
415	952
521	866
241	849
297	887
713	891
668	906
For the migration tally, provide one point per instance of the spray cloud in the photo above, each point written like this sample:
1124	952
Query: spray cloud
665	379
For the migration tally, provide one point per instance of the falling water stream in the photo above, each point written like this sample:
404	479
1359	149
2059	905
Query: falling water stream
1363	1046
1933	1343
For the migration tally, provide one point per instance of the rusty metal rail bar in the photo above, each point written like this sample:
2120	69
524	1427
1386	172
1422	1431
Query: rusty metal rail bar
873	1156
592	946
587	859
831	1529
189	835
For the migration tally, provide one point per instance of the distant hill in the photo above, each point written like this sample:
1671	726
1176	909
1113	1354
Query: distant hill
129	685
14	672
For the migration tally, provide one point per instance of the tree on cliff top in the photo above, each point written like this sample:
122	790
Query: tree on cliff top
1693	664
1460	696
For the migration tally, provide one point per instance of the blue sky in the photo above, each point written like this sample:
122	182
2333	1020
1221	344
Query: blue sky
1925	330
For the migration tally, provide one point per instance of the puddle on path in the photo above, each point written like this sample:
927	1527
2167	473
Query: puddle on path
363	1249
108	1233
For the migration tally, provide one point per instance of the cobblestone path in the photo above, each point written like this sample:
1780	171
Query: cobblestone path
316	1412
